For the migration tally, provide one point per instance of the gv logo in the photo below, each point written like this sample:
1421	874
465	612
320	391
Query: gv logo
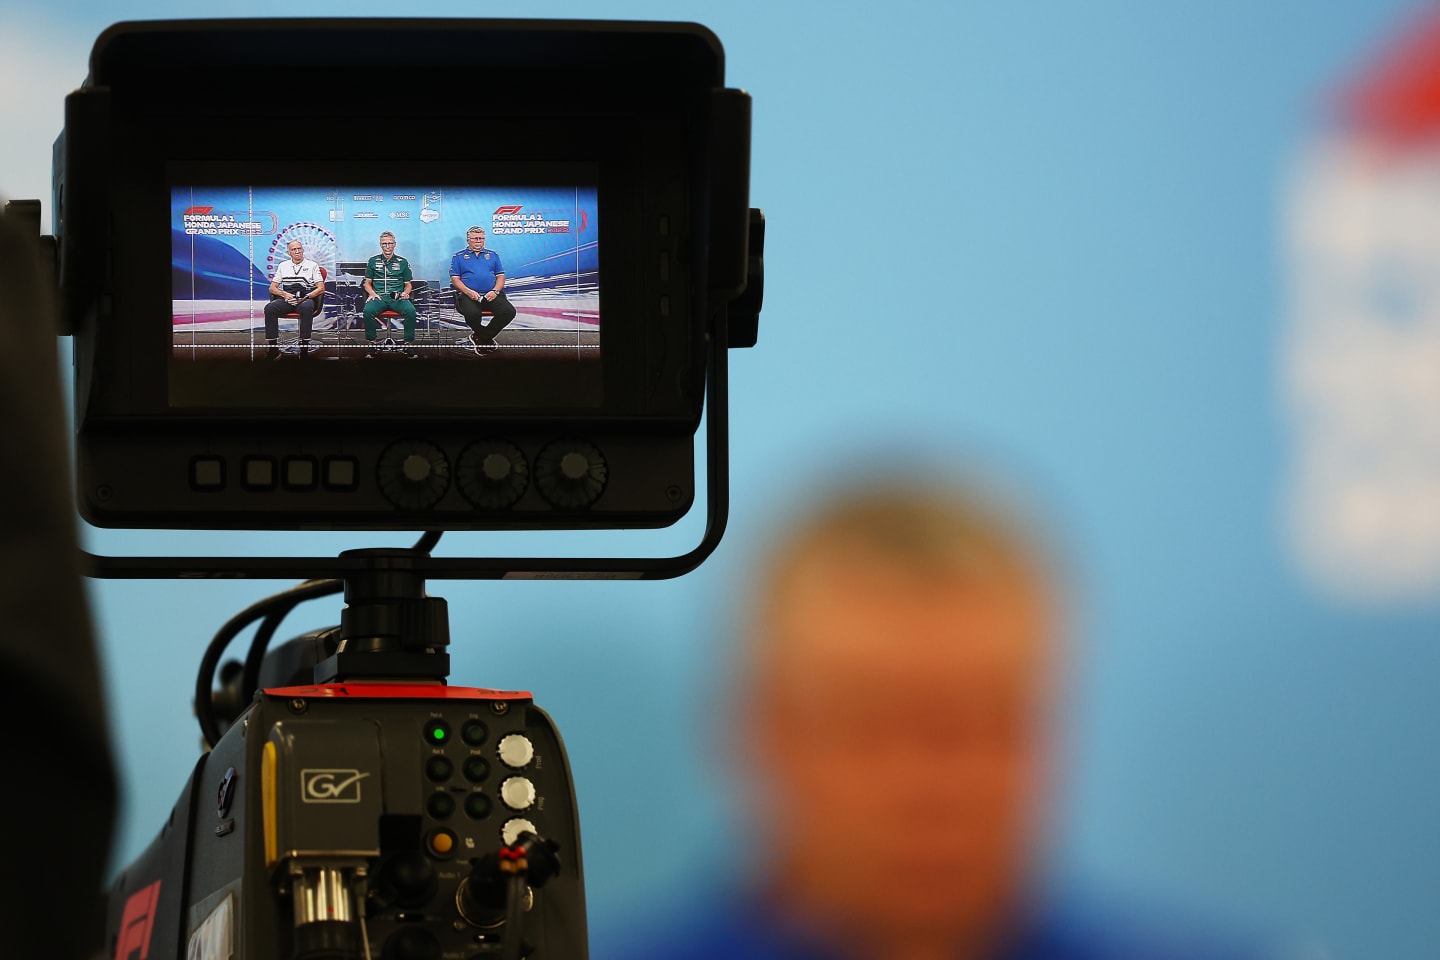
331	786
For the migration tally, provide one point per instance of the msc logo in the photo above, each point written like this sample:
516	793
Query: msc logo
331	786
502	211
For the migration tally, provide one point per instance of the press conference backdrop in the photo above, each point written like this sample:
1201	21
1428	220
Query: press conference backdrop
1160	268
228	240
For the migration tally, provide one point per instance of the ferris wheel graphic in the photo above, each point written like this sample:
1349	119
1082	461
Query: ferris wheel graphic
320	246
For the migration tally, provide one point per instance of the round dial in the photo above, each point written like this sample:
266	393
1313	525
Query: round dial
492	474
570	474
518	793
413	474
514	827
516	750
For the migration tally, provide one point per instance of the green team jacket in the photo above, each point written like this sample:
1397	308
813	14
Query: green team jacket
388	277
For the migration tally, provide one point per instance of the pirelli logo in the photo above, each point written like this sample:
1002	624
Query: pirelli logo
331	786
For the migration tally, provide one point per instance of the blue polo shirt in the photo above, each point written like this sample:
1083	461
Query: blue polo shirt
476	270
741	929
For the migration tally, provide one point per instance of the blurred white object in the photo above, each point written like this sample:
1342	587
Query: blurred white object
1361	352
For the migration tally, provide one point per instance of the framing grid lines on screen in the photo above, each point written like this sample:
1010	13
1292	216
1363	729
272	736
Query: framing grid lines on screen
228	244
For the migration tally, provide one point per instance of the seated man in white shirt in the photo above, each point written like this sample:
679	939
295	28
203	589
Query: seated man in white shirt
297	287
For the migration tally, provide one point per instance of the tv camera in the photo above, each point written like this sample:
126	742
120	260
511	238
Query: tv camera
352	803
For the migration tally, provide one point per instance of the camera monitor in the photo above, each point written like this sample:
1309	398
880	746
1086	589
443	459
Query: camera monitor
390	305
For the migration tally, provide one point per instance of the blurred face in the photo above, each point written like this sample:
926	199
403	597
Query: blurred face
901	725
476	240
296	251
387	245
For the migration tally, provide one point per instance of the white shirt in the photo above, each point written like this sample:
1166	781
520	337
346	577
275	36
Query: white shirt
307	271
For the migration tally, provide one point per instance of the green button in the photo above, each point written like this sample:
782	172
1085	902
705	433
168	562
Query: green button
476	769
477	805
441	805
437	732
474	733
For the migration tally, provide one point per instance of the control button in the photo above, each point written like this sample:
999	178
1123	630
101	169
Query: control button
439	769
518	793
474	733
514	827
441	805
341	473
409	878
207	473
258	473
476	769
516	750
300	473
437	733
570	474
411	943
477	806
442	842
492	475
226	794
413	474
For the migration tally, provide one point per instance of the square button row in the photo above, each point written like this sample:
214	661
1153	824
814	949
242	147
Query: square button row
266	473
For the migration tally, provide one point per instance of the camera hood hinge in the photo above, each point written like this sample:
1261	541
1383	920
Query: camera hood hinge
80	206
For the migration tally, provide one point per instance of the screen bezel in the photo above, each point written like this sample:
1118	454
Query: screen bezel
650	370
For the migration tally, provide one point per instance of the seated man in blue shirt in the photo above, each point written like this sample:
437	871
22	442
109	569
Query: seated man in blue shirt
900	671
479	281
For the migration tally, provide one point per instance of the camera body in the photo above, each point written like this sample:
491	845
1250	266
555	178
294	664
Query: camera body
357	805
330	803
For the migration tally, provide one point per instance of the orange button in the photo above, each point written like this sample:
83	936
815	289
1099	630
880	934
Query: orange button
442	842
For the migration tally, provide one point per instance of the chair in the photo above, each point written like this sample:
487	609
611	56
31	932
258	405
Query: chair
466	341
388	315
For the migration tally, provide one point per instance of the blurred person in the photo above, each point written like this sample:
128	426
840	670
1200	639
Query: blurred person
902	663
57	809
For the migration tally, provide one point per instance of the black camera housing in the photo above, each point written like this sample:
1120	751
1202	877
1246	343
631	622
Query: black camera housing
641	108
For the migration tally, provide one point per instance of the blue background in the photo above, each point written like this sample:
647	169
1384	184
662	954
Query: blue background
427	245
1041	238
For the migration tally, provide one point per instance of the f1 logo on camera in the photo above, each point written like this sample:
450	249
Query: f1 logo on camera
138	923
331	786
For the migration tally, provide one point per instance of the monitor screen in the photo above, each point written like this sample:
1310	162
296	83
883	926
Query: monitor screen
352	281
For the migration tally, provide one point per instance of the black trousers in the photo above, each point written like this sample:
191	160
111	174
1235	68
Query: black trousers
500	309
278	307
